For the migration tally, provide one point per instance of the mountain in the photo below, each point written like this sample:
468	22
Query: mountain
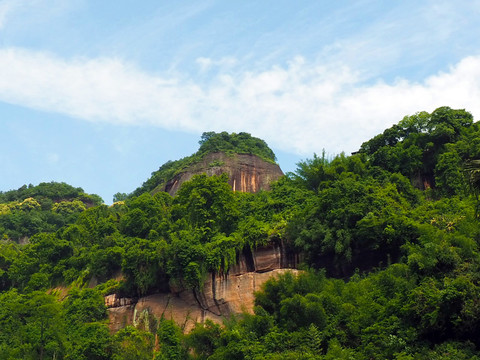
249	165
387	240
248	162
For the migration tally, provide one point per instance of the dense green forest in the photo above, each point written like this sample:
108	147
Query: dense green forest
389	238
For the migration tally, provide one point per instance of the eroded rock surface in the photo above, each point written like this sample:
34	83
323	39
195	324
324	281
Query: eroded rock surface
246	173
220	296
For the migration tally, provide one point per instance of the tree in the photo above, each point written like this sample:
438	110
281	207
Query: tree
447	124
44	325
204	339
120	196
170	340
311	173
449	179
131	343
473	172
207	204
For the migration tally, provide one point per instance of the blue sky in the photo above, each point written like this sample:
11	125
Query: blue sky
101	93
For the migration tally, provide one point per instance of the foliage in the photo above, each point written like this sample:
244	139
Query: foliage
42	208
428	148
388	237
241	143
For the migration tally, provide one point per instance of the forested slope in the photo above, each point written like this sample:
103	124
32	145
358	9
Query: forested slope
42	208
389	237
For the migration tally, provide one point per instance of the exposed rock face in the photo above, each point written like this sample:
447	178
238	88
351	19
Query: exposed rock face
421	181
115	301
247	173
220	296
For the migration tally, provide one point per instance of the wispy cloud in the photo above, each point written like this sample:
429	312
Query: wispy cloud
300	107
24	18
6	7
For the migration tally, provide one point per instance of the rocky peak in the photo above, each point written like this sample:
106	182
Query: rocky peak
246	172
247	160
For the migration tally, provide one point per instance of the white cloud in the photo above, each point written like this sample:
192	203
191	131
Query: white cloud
206	64
300	107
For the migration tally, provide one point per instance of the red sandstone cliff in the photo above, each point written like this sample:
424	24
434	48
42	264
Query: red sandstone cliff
220	296
246	173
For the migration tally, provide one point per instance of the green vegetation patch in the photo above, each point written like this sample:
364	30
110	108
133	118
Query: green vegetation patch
42	208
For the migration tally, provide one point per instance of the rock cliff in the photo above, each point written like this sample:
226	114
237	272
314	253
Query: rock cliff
221	295
246	172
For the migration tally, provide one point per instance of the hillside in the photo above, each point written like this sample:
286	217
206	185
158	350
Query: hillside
42	208
246	159
387	240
